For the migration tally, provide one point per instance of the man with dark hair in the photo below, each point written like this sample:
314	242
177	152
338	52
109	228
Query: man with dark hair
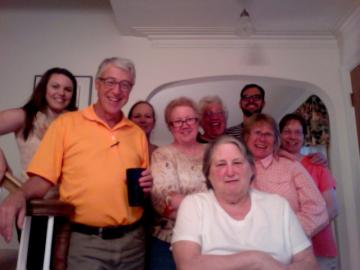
292	133
252	101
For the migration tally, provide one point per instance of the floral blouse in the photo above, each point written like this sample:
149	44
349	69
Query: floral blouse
173	171
27	148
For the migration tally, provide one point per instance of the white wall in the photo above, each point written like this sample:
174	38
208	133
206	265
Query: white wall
31	42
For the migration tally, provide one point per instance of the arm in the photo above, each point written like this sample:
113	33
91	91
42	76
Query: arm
331	203
318	159
11	120
327	184
188	255
304	260
312	209
13	208
3	166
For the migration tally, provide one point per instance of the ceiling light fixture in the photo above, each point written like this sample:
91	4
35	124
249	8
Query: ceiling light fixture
245	26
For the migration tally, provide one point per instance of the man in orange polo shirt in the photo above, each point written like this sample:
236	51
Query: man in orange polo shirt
87	153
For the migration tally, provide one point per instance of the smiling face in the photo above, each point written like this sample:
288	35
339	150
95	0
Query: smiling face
111	98
251	102
143	115
186	132
230	173
260	140
292	137
213	121
59	91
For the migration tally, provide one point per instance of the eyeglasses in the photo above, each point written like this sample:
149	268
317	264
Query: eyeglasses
259	134
214	114
125	86
252	97
188	121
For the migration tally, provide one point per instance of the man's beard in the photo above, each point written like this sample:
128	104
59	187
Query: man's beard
249	113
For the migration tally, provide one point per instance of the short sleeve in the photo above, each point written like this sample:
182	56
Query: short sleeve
47	161
188	221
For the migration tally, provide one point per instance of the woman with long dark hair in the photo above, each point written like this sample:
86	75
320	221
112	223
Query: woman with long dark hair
53	95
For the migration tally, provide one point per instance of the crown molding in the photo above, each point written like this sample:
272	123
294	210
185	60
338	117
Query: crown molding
220	33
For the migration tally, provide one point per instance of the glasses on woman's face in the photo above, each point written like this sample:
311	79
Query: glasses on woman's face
259	134
188	121
110	83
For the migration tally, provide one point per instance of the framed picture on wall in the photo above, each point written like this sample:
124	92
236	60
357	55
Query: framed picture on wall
84	89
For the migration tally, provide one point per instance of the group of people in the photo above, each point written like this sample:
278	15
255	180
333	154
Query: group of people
227	198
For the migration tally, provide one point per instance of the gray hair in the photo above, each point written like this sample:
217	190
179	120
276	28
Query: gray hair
207	100
209	152
121	63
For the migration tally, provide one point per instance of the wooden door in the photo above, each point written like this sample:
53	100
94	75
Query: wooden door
355	98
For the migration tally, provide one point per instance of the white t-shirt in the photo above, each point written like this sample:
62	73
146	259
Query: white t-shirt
270	226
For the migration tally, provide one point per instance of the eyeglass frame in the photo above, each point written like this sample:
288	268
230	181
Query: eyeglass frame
266	135
111	83
180	122
256	97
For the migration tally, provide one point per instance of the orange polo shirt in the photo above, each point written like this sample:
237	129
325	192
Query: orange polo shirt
89	160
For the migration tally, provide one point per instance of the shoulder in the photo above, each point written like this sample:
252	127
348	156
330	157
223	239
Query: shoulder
270	203
236	128
68	117
196	200
164	149
165	152
267	198
287	163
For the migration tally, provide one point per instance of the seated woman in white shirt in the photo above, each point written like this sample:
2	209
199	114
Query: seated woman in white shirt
234	227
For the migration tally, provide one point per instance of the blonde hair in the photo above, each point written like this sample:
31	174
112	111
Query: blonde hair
181	101
262	118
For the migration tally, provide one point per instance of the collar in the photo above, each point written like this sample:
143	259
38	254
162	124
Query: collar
89	114
266	162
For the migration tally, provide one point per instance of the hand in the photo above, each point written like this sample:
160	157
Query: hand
318	159
264	261
13	208
146	181
285	154
175	200
172	201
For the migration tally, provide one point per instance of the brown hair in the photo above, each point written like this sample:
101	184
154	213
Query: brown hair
37	102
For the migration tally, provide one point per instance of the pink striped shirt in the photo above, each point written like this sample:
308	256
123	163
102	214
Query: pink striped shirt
290	180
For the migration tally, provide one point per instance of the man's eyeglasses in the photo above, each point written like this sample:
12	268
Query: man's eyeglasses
125	86
252	97
188	121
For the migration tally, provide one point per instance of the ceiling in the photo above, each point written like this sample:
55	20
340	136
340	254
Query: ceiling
152	18
210	18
